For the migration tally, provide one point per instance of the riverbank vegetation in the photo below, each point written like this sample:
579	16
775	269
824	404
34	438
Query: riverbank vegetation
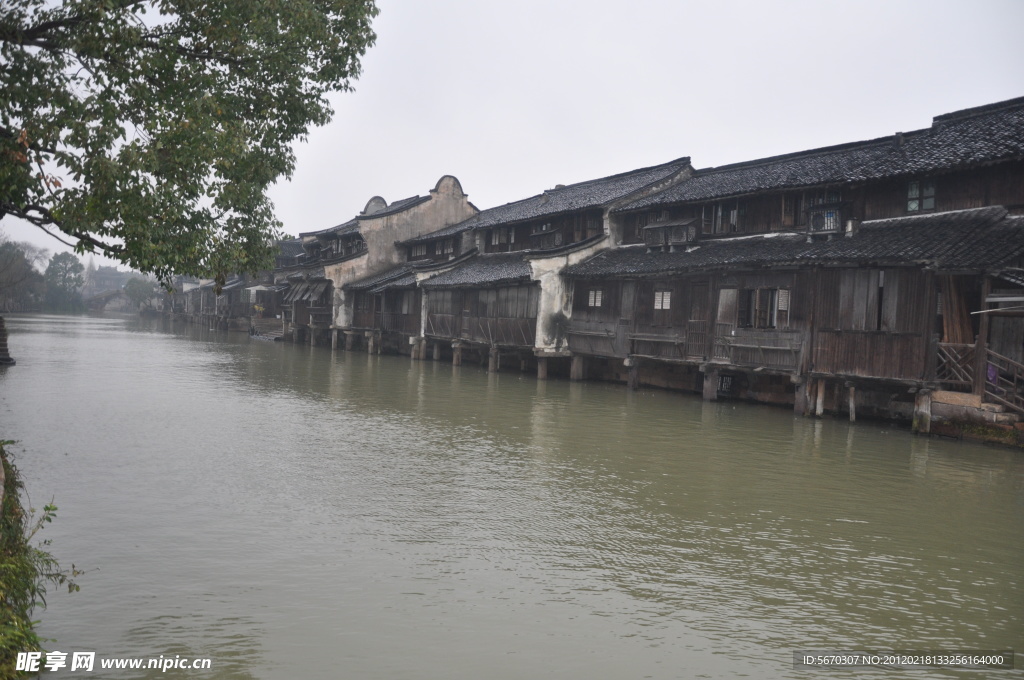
26	569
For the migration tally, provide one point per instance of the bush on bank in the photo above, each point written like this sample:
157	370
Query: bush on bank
25	570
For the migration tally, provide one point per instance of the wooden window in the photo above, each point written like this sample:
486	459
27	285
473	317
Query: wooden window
594	297
921	195
663	299
419	250
447	246
826	197
641	222
763	308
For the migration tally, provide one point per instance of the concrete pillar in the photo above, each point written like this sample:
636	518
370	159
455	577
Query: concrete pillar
493	360
437	351
334	339
542	368
456	355
577	367
371	343
350	341
312	336
922	412
633	377
800	395
853	404
710	384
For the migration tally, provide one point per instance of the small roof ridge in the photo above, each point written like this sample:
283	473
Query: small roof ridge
682	160
973	111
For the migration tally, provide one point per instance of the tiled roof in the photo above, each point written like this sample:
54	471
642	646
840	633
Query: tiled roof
978	239
290	248
407	281
396	207
483	270
590	194
986	134
377	279
451	230
337	230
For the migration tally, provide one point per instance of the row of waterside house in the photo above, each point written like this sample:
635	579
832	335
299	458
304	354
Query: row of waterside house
883	277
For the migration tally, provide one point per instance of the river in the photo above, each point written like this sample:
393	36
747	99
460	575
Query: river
287	512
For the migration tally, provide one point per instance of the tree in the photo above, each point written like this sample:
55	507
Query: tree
21	284
140	292
63	279
150	130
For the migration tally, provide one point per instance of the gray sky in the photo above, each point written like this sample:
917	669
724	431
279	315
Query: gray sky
515	97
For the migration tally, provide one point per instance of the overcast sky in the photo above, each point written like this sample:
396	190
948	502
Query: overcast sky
515	97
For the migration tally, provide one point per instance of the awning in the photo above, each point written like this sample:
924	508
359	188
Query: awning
315	290
296	291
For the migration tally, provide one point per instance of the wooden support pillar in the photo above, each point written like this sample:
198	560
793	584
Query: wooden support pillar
524	364
577	369
456	355
493	360
312	336
710	384
437	351
853	404
819	406
542	368
350	342
371	343
922	412
334	339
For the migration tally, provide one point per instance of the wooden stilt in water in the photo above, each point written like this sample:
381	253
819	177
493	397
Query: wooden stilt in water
577	367
922	412
542	368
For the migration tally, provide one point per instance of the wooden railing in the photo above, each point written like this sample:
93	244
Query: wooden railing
760	348
401	323
696	339
1004	381
875	354
687	343
321	315
509	332
443	325
723	331
955	366
363	318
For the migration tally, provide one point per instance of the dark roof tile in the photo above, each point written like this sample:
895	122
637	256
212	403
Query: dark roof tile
984	135
483	270
977	239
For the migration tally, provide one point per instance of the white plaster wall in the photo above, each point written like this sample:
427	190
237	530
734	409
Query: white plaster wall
554	292
448	205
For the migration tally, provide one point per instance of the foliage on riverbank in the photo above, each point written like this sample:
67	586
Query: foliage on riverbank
25	570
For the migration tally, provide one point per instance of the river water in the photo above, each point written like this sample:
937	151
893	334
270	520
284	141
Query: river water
291	513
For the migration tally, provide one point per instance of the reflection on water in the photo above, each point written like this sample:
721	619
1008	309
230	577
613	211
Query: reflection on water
292	513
